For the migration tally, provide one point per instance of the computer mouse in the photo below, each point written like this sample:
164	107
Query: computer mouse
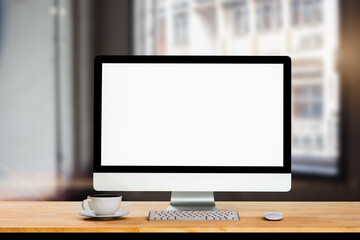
273	216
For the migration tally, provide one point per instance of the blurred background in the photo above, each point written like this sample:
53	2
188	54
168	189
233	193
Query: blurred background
47	49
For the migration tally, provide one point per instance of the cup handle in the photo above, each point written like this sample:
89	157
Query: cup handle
85	205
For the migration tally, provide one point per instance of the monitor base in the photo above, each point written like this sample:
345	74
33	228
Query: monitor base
192	201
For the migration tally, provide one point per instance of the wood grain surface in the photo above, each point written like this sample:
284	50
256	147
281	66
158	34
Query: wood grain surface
56	216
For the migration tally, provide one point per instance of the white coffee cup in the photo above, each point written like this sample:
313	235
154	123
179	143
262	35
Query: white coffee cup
102	204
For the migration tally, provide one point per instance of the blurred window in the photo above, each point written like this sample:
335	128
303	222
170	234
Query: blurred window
312	11
239	16
306	12
307	101
180	23
268	27
295	12
36	85
319	141
161	30
268	14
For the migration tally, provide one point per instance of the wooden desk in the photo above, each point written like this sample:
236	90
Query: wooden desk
298	217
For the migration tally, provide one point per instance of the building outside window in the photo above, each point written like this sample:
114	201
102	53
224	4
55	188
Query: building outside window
306	12
306	30
238	17
307	101
180	21
295	12
312	11
268	14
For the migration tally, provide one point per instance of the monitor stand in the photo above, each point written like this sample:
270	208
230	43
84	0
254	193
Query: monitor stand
192	201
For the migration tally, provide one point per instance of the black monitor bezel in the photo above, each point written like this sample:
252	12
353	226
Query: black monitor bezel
99	60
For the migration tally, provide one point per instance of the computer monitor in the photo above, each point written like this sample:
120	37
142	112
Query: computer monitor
192	125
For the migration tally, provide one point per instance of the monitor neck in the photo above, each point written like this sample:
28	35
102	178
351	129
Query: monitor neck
192	201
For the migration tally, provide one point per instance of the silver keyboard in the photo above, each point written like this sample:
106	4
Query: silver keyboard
193	216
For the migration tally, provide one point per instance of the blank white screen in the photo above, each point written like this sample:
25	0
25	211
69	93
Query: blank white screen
192	114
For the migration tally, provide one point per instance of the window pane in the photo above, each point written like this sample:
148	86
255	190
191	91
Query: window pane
295	17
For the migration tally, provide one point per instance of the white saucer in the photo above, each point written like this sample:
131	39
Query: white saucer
93	215
273	216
